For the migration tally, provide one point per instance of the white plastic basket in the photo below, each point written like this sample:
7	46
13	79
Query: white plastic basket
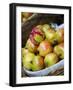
48	70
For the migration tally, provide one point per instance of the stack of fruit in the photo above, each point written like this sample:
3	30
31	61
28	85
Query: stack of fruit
44	47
